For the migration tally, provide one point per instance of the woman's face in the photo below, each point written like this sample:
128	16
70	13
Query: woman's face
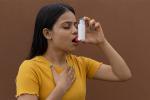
64	32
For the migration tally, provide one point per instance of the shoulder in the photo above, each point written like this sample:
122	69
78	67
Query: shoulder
27	66
27	71
81	59
86	60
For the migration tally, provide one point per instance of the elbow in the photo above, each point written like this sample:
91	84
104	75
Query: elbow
129	75
126	77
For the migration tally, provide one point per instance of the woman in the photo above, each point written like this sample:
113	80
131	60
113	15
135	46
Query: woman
52	72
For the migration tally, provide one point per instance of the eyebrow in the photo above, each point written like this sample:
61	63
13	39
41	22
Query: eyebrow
69	22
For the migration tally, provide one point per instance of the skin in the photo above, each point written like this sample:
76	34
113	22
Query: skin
63	32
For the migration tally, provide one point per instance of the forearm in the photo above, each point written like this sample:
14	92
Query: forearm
119	67
56	94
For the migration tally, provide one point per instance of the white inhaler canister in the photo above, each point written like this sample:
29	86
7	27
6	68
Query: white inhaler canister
81	30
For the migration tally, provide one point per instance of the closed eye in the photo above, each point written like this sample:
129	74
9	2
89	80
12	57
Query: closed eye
68	25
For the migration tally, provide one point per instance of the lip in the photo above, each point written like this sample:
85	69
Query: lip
76	40
74	43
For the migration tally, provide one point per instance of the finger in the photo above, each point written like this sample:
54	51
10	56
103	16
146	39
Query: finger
67	68
87	19
73	79
92	23
71	71
53	71
98	26
73	76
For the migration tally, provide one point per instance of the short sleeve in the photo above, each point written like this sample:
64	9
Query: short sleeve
27	80
91	66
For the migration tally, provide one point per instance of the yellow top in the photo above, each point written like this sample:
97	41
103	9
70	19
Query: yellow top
35	77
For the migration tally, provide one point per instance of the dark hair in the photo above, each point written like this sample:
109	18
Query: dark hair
46	18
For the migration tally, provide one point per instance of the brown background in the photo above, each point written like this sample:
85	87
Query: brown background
126	24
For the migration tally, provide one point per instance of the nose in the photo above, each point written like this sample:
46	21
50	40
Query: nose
74	31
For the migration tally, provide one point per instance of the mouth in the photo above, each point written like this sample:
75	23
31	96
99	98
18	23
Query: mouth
75	40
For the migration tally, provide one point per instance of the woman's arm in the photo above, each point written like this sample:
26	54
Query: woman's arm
27	97
56	94
118	70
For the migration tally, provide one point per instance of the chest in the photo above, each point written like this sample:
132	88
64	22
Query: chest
76	92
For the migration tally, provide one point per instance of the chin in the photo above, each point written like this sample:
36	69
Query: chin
71	49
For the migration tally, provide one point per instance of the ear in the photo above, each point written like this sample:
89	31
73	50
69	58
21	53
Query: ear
47	33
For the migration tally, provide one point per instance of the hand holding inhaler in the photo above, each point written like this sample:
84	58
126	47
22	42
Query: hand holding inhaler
90	31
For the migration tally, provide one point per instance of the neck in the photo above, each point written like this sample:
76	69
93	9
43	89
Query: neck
56	56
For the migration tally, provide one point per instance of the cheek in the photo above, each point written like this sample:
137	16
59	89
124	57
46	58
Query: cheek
62	38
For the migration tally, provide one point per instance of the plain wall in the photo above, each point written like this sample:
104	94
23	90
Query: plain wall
126	25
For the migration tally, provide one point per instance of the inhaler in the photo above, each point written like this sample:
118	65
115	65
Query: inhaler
81	30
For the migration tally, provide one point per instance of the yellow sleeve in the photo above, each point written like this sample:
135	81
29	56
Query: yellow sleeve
27	79
91	66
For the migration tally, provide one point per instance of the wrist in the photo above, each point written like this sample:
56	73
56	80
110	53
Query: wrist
56	94
61	89
102	43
